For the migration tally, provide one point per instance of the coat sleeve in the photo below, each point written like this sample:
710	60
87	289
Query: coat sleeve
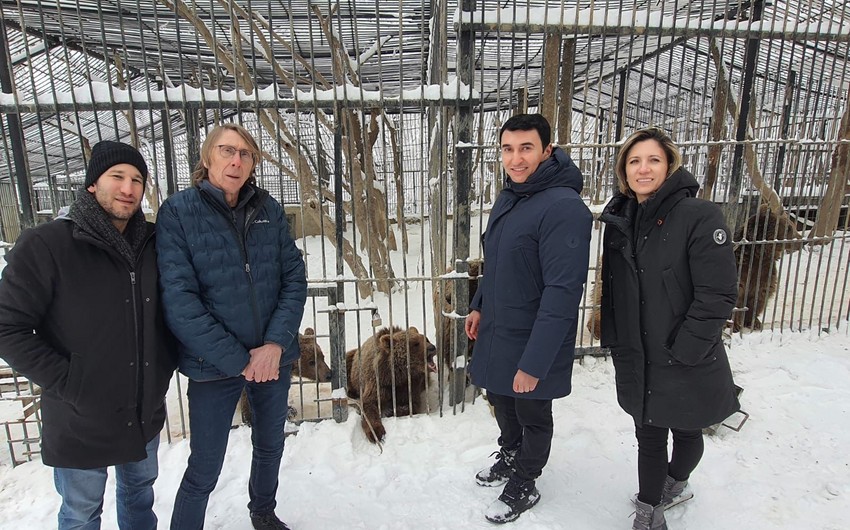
283	325
564	252
607	327
183	306
26	292
478	295
712	264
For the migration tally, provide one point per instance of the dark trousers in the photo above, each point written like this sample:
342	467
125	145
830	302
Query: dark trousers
211	408
653	466
525	424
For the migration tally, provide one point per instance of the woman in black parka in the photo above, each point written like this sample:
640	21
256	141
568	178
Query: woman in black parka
669	285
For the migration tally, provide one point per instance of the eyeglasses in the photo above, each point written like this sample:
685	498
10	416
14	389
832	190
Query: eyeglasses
228	152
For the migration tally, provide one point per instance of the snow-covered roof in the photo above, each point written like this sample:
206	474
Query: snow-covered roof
75	62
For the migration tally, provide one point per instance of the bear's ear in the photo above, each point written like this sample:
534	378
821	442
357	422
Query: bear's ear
309	331
385	341
413	330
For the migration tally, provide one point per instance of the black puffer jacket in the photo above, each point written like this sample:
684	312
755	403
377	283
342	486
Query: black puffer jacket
669	285
103	384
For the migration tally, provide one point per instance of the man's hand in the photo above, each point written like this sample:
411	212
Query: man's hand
264	364
471	324
524	382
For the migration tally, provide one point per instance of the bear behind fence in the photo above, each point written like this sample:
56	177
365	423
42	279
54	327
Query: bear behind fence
756	255
388	375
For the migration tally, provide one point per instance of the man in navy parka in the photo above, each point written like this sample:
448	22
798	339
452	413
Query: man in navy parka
525	312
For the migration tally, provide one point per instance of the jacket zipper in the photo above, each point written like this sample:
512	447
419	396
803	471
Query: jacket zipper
243	248
136	339
241	241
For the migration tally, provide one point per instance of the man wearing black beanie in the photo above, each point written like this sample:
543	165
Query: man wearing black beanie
80	317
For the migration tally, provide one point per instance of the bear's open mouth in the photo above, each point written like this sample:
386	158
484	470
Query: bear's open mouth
432	366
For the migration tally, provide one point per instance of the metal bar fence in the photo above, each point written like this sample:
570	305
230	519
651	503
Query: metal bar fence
378	123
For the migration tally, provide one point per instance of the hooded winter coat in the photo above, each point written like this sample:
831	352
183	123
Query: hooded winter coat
669	285
84	324
536	248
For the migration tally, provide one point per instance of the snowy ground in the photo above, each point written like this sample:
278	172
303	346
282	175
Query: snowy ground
787	468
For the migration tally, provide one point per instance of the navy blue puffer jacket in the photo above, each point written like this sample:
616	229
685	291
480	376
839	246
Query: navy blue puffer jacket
536	248
225	288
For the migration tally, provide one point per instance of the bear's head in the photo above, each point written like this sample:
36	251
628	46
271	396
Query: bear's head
765	225
403	346
311	364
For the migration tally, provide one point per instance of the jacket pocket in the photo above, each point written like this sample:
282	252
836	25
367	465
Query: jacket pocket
532	265
692	358
74	379
678	301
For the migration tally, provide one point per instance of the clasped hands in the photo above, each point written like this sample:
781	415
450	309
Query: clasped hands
264	364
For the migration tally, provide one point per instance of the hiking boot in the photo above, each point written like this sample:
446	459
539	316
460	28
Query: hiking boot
674	492
518	496
267	521
499	472
649	517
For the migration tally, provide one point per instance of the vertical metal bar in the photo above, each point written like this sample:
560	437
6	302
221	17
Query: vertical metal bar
621	105
743	122
565	104
168	150
336	330
784	126
463	171
339	212
16	135
193	142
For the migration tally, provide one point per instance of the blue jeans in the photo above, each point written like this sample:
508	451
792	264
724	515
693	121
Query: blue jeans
82	494
211	408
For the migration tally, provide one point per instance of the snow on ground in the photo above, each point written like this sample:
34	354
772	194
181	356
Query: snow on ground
787	468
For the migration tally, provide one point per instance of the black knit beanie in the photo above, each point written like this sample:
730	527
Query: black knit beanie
106	154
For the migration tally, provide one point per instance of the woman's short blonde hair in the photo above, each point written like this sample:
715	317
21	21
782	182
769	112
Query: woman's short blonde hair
201	172
674	157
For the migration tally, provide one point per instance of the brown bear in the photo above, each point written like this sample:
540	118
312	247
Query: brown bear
311	365
388	374
758	275
447	340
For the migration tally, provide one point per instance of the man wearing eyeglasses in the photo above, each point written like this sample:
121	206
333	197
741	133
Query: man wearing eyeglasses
233	289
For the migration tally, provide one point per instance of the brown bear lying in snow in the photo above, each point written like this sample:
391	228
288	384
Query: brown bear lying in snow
388	375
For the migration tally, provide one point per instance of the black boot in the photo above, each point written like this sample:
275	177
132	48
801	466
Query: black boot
267	521
500	472
518	496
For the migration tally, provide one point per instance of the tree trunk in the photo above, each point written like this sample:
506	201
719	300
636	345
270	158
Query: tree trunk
839	180
768	194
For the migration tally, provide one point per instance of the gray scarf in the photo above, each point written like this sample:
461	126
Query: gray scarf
90	217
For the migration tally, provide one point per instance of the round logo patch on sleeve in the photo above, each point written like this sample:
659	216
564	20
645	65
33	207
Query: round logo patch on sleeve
720	236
